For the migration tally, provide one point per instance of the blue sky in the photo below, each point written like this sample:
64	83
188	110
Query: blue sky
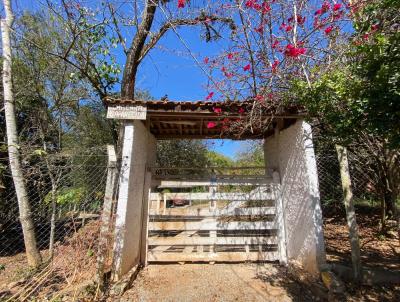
174	72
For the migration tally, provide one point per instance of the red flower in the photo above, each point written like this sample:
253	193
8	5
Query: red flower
250	3
275	65
318	12
206	60
301	20
241	110
292	51
217	110
211	125
247	67
275	44
374	27
230	56
181	3
289	28
228	74
325	6
257	6
259	98
265	7
336	7
328	30
259	29
210	95
337	15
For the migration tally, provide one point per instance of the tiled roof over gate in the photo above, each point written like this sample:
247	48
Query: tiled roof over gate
187	119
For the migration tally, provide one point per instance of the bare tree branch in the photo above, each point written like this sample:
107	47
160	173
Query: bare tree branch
203	19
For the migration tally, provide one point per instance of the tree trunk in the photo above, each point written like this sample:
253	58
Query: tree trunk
32	252
383	214
350	212
135	50
52	222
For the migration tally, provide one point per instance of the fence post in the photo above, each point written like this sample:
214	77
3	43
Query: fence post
145	218
350	212
276	186
106	214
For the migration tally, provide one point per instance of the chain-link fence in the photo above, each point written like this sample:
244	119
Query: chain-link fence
64	192
68	190
363	179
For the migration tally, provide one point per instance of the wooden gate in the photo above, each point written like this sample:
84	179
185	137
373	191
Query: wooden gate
238	219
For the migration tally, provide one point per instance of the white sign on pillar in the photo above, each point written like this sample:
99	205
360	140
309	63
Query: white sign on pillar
126	112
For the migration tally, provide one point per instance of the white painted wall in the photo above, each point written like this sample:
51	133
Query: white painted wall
291	153
139	149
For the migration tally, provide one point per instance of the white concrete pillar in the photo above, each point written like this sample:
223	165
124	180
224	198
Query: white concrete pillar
291	153
138	152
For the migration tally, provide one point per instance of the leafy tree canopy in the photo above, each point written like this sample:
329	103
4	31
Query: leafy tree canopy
360	93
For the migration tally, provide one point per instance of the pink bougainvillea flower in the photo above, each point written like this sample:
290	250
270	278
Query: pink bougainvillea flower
241	110
289	28
292	51
328	30
337	6
283	26
210	95
206	60
247	67
181	3
211	125
217	110
230	56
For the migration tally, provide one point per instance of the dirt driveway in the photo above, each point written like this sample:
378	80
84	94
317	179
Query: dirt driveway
218	282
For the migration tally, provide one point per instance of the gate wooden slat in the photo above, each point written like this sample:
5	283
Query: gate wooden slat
207	257
206	212
212	240
210	225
